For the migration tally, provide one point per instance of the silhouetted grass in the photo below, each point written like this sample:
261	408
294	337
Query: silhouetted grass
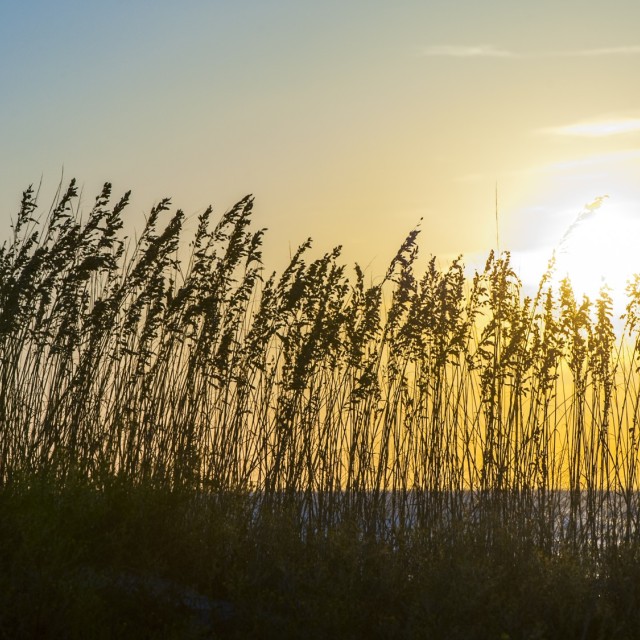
442	451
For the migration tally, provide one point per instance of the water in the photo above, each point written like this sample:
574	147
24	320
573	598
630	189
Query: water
554	518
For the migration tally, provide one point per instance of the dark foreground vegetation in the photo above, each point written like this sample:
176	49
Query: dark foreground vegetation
191	447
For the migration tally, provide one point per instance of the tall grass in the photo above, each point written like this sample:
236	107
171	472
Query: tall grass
427	402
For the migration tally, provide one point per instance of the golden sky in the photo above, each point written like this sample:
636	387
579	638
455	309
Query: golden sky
349	121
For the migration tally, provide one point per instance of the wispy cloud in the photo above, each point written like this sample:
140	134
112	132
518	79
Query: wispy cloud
554	168
597	129
600	159
476	51
606	51
492	51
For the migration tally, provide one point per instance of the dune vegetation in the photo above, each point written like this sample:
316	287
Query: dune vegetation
195	447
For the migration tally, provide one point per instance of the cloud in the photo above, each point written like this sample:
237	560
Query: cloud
597	129
553	168
455	51
607	51
491	51
596	160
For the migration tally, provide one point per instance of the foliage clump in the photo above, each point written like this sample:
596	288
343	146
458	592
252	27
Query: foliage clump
429	404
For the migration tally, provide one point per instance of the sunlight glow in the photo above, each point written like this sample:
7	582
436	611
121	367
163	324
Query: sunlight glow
598	248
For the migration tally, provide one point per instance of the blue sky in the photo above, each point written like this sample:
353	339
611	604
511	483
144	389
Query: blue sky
349	121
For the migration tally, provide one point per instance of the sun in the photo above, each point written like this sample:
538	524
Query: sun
599	248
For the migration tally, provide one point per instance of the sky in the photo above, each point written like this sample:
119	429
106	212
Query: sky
349	121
